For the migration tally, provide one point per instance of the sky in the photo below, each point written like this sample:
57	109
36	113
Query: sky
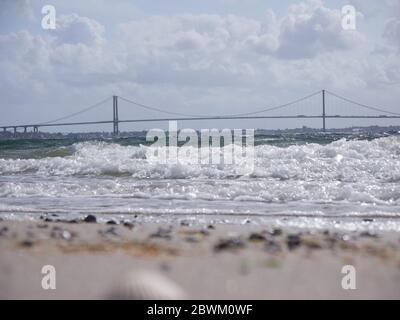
204	57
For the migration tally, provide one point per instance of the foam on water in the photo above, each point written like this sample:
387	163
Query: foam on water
345	178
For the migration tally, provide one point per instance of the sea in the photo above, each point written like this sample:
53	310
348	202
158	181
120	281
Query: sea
316	181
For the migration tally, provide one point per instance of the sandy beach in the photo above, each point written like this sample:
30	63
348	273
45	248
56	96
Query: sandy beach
216	261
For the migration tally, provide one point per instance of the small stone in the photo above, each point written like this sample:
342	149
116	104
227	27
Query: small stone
3	231
48	220
231	243
27	243
211	227
112	222
185	223
293	241
66	235
346	237
162	233
276	232
73	221
90	219
313	244
128	225
59	233
368	220
256	237
204	232
110	231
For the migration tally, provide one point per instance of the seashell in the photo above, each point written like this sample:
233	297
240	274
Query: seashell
146	285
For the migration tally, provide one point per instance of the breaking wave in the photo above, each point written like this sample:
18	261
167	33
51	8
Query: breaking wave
344	177
349	161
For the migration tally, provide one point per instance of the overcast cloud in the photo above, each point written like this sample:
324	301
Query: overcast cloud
202	59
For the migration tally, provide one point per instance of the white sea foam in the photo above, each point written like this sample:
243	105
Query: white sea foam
341	178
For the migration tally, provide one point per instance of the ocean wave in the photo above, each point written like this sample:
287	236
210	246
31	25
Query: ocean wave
354	173
345	161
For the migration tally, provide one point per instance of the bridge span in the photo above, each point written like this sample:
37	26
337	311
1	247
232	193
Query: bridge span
383	114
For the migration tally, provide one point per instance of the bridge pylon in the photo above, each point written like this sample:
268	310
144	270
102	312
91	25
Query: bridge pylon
323	112
115	116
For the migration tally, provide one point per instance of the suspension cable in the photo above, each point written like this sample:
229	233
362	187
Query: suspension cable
234	115
361	104
78	112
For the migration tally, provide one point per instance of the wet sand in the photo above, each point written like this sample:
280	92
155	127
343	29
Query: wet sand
219	261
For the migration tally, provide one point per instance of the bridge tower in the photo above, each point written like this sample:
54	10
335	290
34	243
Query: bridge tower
115	116
323	112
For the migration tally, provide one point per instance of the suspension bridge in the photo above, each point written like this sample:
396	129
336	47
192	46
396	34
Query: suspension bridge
324	105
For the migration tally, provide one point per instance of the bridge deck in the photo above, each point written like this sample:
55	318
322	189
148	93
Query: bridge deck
191	119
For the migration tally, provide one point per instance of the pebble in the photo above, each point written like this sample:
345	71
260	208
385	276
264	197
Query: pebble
231	243
368	220
90	219
110	231
128	225
211	227
313	244
27	243
66	235
112	222
256	237
3	231
162	233
58	233
346	237
293	241
204	232
276	232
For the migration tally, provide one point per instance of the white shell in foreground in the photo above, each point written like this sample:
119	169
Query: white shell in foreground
146	285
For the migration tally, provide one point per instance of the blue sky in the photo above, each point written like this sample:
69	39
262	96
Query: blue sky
200	57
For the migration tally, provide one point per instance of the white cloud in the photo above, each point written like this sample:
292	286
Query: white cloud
74	29
196	60
310	29
392	33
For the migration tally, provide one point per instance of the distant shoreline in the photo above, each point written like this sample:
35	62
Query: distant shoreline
132	134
